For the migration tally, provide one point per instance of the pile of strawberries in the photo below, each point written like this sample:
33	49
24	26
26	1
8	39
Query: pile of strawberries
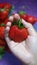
5	9
17	32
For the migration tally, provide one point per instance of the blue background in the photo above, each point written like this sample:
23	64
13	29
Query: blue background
30	7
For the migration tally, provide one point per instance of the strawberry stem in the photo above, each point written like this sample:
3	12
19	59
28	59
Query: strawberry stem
2	24
20	25
21	12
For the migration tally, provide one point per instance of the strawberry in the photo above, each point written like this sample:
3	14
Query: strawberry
2	40
28	18
31	19
21	34
1	32
18	32
5	21
7	6
5	9
3	15
2	27
2	47
1	5
23	15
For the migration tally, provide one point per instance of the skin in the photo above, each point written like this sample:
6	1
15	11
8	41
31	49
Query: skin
26	51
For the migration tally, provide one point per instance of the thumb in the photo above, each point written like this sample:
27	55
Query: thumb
29	27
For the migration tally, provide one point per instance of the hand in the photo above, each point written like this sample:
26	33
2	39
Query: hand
26	51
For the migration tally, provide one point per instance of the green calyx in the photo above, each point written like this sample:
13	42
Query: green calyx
14	23
21	12
2	24
18	23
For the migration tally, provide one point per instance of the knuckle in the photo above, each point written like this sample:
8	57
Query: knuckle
11	18
7	28
16	16
8	24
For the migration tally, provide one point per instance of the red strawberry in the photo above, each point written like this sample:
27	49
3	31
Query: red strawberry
4	11
7	6
2	40
31	19
2	32
3	15
18	34
23	15
5	21
28	18
1	5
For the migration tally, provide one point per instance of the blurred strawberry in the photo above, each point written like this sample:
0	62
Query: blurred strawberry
30	19
5	9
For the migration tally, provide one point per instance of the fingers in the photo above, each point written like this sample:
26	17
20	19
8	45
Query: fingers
16	16
21	52
18	48
8	25
29	27
11	18
6	34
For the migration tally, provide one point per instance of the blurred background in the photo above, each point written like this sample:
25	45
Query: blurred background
28	6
